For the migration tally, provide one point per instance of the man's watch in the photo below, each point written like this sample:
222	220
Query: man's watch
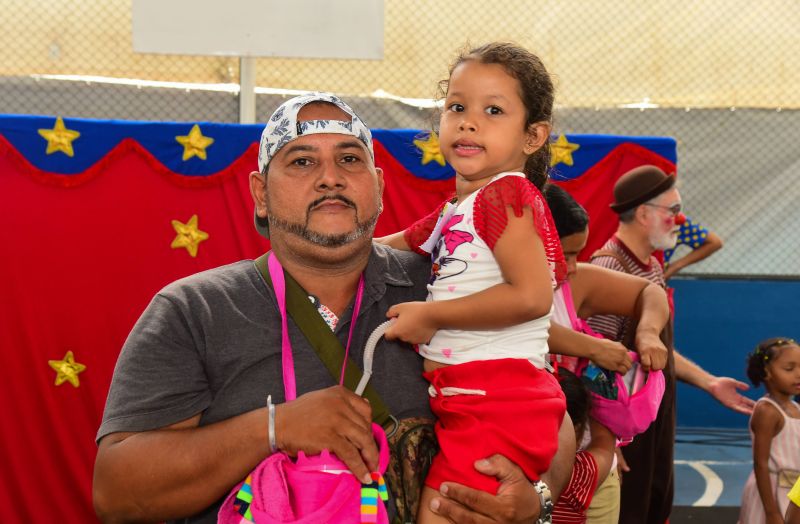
545	502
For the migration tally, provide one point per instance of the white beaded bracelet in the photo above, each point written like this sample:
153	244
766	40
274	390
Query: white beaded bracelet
273	446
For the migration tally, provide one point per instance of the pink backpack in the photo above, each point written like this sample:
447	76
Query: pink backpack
313	489
639	395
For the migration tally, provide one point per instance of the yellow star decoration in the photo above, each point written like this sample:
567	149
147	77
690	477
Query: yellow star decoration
561	151
188	235
59	138
67	370
194	144
430	149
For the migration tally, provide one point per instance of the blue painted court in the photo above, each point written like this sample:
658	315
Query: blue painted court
711	466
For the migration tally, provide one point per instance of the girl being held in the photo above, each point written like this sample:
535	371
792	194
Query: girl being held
775	430
496	259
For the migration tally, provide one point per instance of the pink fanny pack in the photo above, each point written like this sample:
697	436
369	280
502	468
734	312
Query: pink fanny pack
313	489
308	490
639	395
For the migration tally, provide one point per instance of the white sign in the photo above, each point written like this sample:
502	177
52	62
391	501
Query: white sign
288	28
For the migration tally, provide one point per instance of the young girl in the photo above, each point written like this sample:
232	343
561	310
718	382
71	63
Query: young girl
775	429
496	259
592	463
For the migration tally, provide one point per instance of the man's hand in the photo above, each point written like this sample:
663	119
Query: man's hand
516	499
652	351
335	419
413	323
611	355
724	389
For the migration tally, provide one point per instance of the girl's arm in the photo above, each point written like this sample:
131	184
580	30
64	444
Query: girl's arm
766	423
608	354
601	291
412	238
525	294
602	448
395	240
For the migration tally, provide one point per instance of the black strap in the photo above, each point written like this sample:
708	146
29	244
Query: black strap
327	347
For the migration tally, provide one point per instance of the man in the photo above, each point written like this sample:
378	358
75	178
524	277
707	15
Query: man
649	209
186	419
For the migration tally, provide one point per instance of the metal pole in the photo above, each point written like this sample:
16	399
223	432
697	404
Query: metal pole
247	90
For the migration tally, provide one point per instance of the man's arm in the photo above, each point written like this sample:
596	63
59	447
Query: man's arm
182	469
712	244
516	499
724	389
164	474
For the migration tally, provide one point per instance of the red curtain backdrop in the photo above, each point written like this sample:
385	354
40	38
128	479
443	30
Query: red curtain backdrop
85	243
594	189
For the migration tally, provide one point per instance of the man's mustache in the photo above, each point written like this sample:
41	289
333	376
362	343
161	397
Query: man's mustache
340	198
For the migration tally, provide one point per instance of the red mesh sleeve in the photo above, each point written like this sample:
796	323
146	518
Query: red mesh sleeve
491	219
417	233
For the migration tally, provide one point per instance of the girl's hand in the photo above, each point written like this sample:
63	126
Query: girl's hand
413	322
774	518
611	355
652	351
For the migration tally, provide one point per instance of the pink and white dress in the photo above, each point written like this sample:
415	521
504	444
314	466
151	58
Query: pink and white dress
784	468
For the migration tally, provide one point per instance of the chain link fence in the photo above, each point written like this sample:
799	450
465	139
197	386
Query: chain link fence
719	76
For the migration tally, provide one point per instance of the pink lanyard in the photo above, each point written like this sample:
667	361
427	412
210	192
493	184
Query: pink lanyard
278	283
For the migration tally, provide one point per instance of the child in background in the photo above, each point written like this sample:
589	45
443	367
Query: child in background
496	259
592	463
775	429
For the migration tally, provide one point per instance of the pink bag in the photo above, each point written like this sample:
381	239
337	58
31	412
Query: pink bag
639	395
308	491
311	489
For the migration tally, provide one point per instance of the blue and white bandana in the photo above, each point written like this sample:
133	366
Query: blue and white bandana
283	126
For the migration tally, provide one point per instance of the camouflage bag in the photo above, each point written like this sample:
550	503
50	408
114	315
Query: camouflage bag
411	451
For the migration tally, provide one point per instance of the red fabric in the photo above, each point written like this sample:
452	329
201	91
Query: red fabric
491	217
420	231
576	497
80	258
594	190
79	264
519	417
405	196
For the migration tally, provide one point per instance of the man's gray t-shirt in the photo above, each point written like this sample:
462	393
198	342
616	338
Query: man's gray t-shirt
211	344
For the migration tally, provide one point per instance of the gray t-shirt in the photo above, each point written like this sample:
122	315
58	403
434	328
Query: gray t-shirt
211	344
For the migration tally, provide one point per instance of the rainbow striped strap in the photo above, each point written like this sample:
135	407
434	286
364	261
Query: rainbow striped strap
370	495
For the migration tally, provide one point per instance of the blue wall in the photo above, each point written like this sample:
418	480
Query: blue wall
717	322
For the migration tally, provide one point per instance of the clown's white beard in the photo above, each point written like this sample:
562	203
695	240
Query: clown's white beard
663	241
